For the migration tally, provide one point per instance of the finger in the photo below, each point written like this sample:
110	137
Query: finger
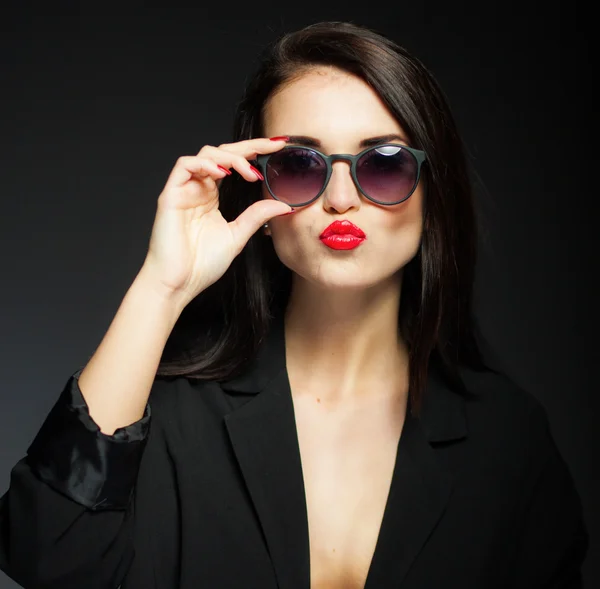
250	148
188	166
230	160
256	215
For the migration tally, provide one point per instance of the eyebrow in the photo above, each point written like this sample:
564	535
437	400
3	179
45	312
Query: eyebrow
312	142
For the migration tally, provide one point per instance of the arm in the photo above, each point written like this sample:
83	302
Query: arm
117	379
66	521
554	539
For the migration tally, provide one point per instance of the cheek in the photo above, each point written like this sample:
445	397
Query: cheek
395	246
413	211
290	249
411	231
404	226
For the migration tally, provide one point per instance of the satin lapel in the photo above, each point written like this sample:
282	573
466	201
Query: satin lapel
419	493
265	442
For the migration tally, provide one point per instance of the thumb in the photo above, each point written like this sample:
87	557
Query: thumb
250	220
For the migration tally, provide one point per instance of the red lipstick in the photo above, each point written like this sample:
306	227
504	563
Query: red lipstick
342	235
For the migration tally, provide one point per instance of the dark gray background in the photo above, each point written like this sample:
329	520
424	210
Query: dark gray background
97	106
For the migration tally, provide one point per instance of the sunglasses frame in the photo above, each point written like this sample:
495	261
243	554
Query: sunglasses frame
419	155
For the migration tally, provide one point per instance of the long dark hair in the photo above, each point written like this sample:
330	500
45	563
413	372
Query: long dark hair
221	329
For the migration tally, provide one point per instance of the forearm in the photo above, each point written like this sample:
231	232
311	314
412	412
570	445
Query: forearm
117	380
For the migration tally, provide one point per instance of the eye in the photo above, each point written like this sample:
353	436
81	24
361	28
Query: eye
301	160
296	161
386	158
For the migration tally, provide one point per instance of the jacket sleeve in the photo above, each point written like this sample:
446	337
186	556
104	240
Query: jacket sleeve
555	539
66	520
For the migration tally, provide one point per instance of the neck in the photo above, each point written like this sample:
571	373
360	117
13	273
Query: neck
344	344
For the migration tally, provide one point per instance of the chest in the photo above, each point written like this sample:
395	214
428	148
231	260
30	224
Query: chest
348	457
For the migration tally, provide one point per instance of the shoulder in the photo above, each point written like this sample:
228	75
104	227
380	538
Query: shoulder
514	446
511	451
496	398
189	408
169	391
181	394
498	389
510	445
506	420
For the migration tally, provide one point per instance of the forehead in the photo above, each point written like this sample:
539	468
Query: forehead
336	107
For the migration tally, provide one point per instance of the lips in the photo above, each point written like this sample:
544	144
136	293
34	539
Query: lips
342	228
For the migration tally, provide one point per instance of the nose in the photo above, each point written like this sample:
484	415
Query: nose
341	194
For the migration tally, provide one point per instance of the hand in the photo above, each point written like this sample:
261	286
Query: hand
192	245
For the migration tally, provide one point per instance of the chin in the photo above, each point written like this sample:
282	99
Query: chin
341	270
346	279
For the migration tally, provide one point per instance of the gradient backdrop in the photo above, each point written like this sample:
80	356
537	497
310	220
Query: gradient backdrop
97	106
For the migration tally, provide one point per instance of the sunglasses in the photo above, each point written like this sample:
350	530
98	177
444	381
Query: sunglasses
386	174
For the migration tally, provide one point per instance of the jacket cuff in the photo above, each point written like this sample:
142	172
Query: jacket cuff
75	458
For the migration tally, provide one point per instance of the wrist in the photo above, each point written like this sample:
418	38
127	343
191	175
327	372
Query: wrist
167	298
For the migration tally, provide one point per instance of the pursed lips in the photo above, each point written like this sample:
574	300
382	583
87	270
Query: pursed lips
342	228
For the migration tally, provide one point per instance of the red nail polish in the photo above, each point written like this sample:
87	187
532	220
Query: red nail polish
292	211
228	172
280	138
260	176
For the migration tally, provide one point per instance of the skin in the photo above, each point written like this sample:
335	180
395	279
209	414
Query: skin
342	315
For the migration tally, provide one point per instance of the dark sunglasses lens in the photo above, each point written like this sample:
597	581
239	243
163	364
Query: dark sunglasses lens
295	175
387	173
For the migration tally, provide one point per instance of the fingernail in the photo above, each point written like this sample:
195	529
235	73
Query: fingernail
228	172
260	176
280	138
292	211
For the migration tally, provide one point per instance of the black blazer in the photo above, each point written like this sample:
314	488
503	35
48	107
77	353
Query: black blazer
206	491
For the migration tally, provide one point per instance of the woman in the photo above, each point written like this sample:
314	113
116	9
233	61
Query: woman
303	405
